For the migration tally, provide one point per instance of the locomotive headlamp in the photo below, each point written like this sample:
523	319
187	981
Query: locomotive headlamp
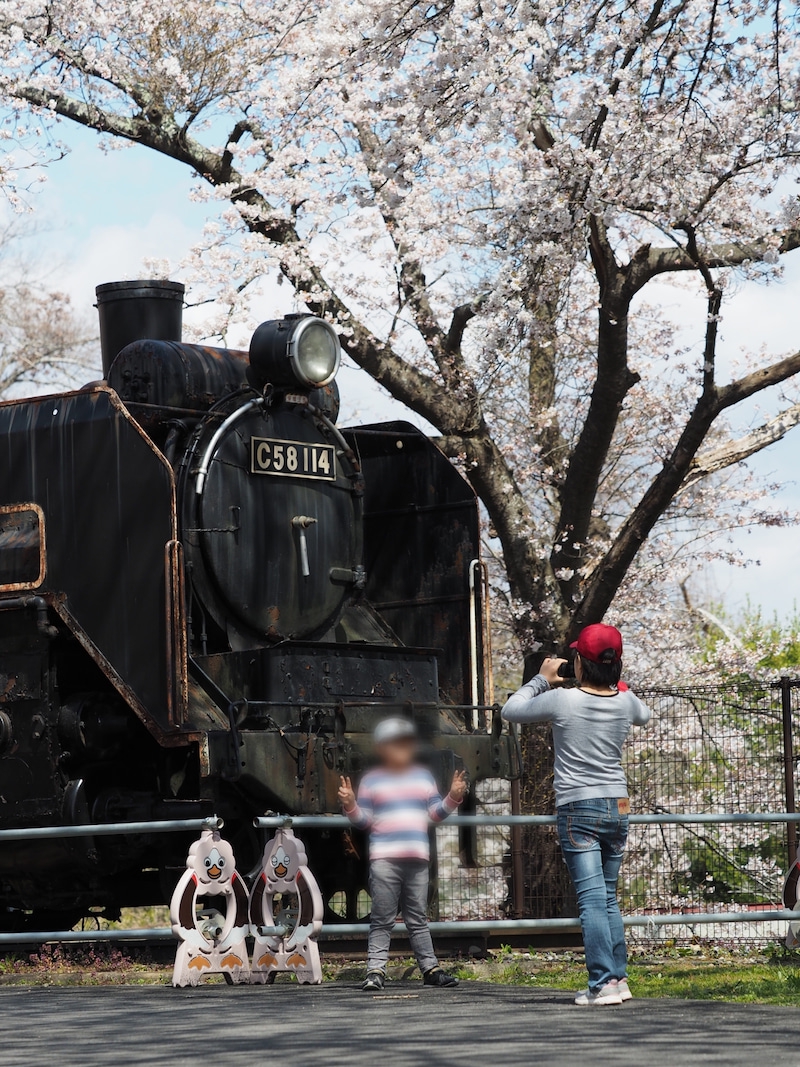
299	350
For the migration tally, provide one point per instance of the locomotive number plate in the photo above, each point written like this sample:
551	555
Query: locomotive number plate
292	459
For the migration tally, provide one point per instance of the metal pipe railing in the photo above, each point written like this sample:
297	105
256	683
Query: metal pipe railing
338	930
111	829
500	926
467	926
337	822
31	937
155	933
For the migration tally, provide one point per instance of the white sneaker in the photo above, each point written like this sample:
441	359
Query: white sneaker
624	991
609	994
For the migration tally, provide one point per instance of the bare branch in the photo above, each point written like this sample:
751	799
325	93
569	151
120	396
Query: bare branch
643	268
612	383
759	380
453	447
712	460
462	316
714	306
609	573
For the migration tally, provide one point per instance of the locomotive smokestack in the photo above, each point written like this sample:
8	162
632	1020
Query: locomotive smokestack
137	311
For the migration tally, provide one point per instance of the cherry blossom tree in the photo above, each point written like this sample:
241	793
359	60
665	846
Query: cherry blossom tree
44	342
481	195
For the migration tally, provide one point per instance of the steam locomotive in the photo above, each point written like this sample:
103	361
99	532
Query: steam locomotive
209	593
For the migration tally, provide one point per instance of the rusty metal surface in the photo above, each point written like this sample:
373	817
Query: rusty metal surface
177	653
23	553
108	501
171	374
305	674
298	768
421	530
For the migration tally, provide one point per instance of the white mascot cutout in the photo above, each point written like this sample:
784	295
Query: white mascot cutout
217	945
284	871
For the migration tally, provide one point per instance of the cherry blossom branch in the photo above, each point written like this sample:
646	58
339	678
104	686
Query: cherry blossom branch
407	383
592	137
413	282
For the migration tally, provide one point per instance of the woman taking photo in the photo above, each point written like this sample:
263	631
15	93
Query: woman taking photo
590	724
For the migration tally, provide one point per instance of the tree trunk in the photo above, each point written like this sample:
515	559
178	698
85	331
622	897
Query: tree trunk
579	492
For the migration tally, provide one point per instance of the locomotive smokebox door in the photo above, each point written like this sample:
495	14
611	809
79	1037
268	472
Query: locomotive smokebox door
275	525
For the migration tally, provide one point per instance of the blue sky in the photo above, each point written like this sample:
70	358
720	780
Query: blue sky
100	213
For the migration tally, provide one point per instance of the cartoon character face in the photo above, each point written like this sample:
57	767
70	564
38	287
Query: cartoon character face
214	864
211	859
280	862
283	856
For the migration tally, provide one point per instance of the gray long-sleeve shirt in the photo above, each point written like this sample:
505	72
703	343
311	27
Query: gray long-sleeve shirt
589	731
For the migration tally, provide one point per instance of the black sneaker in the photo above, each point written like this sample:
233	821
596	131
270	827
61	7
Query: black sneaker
437	977
373	983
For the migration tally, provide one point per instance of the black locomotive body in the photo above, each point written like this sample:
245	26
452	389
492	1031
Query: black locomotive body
208	595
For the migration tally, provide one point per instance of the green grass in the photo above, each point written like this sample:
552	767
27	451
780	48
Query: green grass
765	981
767	977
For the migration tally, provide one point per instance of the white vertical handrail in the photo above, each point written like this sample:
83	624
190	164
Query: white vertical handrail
473	642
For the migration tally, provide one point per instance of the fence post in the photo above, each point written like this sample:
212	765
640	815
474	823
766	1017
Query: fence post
517	873
788	765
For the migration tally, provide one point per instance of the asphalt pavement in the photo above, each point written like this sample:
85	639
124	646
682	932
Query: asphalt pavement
409	1025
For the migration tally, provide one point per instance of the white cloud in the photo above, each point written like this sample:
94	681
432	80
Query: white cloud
111	253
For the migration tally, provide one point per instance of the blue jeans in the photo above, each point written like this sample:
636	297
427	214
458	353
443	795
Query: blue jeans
593	835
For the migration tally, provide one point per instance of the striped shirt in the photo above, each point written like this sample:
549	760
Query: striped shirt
396	808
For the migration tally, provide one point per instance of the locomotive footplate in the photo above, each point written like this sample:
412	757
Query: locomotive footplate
325	701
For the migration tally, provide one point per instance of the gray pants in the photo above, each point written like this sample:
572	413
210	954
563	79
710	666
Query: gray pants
399	886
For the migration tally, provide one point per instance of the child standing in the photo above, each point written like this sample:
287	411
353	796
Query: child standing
396	801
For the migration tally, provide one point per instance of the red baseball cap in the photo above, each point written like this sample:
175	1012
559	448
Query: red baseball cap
599	643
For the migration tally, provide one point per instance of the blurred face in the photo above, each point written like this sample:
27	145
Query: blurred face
397	755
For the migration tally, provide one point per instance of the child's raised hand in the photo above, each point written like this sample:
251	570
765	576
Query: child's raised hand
459	787
347	797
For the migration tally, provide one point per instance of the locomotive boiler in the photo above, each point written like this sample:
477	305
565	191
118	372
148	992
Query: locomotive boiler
209	593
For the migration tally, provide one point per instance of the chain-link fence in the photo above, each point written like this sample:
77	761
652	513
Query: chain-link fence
709	749
716	749
474	863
